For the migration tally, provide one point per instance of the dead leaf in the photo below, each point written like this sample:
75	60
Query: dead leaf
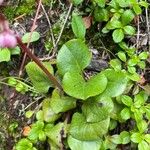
26	130
87	21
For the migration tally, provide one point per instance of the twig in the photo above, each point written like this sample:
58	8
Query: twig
148	28
32	29
138	33
48	20
38	62
62	29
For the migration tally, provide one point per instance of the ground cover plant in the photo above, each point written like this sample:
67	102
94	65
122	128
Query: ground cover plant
75	76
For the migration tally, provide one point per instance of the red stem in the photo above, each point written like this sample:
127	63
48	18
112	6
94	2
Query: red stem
38	62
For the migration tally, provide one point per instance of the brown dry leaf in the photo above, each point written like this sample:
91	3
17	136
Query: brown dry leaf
87	21
26	130
142	80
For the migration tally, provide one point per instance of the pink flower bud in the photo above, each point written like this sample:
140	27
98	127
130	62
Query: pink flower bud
1	1
7	39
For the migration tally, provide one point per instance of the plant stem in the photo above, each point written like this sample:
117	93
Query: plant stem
39	63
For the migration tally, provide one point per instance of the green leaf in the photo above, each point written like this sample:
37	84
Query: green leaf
82	130
42	136
40	115
29	114
137	9
15	51
115	24
49	114
147	137
143	145
39	79
136	137
97	110
101	14
36	130
100	3
73	56
116	64
140	99
127	100
75	85
125	137
60	103
144	4
129	30
127	17
142	125
78	26
143	55
122	56
116	139
56	133
4	55
125	113
77	2
118	35
75	144
26	38
24	144
117	82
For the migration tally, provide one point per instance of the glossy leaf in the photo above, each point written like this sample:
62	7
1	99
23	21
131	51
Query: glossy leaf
61	103
129	30
125	113
136	137
117	82
97	110
57	132
39	79
118	35
78	26
143	145
75	85
4	55
26	38
73	56
75	144
127	100
82	130
127	17
49	114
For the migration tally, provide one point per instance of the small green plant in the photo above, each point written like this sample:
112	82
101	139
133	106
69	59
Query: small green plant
81	111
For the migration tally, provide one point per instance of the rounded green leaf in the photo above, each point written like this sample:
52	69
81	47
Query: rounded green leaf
26	38
125	113
78	26
24	144
129	30
136	137
143	145
117	82
39	79
122	56
97	110
127	16
75	144
127	100
75	85
60	103
82	130
4	55
101	14
73	56
48	114
118	35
